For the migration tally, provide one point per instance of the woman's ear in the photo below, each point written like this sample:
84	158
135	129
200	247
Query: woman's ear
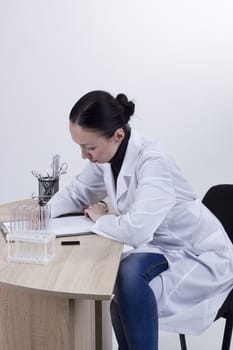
119	135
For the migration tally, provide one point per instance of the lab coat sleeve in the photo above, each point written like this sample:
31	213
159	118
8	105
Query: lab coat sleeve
86	188
153	200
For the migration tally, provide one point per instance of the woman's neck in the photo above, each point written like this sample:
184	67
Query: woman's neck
117	159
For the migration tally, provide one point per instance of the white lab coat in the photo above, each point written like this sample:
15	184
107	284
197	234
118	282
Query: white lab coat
157	211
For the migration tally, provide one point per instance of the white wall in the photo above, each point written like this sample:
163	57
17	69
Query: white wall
174	58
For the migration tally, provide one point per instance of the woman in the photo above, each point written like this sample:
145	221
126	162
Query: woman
180	267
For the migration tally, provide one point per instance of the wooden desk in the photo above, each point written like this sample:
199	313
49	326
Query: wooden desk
56	306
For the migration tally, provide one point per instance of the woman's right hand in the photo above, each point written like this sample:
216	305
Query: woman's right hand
95	211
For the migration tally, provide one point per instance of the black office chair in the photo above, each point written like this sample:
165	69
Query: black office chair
219	199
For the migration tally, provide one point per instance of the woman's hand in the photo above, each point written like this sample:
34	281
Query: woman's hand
95	211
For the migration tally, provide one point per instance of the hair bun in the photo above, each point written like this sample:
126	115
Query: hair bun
129	106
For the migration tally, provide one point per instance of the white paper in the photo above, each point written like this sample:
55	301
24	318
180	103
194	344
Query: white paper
70	225
65	226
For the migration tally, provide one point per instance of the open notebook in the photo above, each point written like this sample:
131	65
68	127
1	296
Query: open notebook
70	225
63	226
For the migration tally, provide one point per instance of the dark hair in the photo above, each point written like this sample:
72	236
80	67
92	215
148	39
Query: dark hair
100	111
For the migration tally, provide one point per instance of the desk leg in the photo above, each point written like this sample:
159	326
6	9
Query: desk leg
92	325
98	325
84	325
107	331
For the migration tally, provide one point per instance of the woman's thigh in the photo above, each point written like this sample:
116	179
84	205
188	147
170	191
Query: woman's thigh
147	265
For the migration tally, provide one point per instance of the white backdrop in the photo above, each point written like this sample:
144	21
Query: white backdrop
173	58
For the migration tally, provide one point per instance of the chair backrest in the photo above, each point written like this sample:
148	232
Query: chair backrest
219	200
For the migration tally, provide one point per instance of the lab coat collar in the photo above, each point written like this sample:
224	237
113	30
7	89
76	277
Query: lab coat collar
134	147
129	163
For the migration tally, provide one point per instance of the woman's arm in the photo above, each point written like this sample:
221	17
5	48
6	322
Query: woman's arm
153	200
85	189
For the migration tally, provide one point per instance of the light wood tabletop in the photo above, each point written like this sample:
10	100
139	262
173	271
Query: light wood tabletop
85	271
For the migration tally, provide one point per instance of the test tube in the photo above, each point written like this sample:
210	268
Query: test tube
26	218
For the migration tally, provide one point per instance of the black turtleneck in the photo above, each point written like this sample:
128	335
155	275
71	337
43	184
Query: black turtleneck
117	159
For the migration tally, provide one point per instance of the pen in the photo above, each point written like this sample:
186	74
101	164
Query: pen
70	242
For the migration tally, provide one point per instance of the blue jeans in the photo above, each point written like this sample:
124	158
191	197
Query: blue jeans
134	308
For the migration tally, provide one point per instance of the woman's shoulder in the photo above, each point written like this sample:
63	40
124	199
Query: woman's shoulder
147	147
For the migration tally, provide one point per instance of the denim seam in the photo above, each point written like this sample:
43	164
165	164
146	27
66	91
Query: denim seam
152	266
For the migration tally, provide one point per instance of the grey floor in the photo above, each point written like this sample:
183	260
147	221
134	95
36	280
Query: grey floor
209	340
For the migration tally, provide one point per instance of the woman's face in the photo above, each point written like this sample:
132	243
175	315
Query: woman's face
94	147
